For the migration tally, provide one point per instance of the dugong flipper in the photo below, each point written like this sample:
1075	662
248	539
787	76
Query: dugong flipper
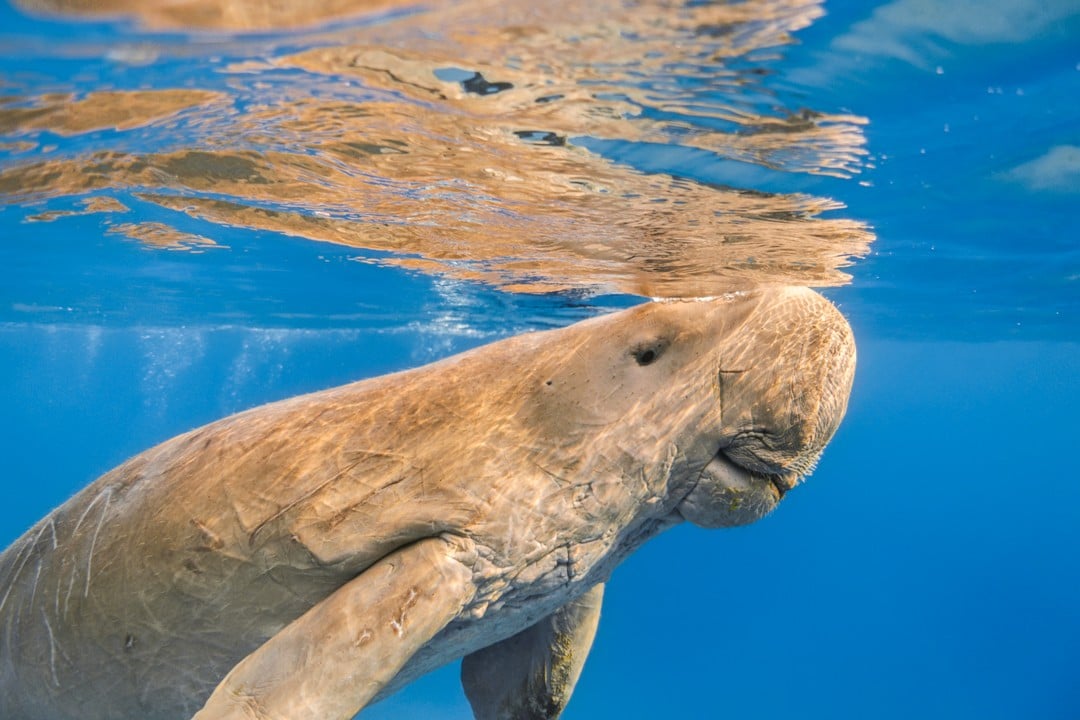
350	645
303	559
531	675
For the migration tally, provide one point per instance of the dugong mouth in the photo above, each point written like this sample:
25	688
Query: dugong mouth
728	494
782	483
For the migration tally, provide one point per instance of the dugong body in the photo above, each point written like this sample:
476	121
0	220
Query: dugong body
305	558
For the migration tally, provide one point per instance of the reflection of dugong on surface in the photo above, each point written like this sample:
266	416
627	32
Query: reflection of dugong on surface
304	558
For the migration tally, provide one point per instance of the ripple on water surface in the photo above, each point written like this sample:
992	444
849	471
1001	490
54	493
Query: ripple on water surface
459	139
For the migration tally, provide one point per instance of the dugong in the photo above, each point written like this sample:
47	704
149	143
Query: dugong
306	558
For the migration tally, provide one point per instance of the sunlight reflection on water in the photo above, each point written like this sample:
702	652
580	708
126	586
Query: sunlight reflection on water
452	137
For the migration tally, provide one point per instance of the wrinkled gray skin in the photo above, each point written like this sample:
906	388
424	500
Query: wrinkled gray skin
305	558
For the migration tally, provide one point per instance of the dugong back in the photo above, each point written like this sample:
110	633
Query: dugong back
136	597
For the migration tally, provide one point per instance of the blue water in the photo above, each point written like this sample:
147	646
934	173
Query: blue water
929	568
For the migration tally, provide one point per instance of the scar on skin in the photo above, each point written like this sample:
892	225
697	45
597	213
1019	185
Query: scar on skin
52	649
212	540
107	494
24	555
398	623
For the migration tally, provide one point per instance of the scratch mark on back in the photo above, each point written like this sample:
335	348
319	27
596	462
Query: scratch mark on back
52	649
87	509
107	494
71	586
301	499
34	587
22	559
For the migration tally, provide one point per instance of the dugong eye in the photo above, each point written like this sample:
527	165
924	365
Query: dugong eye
646	353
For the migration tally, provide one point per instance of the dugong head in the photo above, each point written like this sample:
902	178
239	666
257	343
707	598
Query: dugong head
783	381
718	407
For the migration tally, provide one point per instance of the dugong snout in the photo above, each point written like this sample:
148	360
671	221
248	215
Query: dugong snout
784	383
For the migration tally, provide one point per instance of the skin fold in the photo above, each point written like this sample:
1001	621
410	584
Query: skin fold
305	558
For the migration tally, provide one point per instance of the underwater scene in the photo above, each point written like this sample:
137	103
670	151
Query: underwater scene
209	205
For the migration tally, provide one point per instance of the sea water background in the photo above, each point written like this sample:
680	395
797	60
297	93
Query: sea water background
929	568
